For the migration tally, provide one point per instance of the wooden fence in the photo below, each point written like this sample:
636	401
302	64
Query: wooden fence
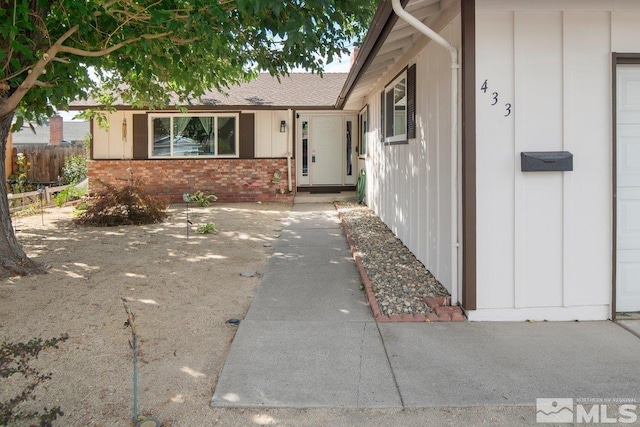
46	163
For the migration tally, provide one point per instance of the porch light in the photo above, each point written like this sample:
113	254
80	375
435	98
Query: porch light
283	126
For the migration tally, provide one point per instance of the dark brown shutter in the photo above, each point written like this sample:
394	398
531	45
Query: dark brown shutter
382	124
411	102
391	108
247	136
140	137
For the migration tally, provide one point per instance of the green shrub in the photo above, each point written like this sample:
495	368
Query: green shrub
75	169
69	193
19	178
199	198
209	227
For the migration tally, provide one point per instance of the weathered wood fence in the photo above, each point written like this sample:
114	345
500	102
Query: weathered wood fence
46	163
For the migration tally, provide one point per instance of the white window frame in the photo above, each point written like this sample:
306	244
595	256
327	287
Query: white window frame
390	115
171	116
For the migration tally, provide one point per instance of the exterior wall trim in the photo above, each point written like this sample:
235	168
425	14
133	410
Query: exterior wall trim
469	224
617	58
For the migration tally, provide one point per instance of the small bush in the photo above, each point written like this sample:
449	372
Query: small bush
128	205
209	227
75	169
14	359
20	183
69	193
200	199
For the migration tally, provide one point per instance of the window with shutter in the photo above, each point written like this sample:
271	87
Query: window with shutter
398	108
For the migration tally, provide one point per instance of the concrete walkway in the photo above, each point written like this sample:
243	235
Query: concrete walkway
309	340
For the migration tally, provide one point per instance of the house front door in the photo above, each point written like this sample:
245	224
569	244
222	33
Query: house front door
326	150
628	188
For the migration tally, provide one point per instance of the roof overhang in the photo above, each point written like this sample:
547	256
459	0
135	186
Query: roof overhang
388	41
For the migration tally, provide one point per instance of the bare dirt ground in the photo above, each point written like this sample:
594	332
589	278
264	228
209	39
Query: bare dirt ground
182	291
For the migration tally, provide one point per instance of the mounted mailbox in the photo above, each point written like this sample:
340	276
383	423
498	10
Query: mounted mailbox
546	161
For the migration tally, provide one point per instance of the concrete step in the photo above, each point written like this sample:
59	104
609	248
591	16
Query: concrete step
343	196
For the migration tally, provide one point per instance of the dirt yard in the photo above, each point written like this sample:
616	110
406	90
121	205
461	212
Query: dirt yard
182	291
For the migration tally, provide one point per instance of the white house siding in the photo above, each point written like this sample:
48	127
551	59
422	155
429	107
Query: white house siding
544	239
270	142
409	185
108	143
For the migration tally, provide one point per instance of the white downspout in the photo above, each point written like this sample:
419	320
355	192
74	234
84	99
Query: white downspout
420	26
290	149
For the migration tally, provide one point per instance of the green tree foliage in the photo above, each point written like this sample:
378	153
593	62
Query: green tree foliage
145	51
149	53
75	169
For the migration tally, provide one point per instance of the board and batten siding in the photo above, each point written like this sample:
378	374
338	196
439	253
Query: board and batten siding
409	185
544	239
108	143
270	142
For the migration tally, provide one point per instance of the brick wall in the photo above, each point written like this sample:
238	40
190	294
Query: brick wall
232	180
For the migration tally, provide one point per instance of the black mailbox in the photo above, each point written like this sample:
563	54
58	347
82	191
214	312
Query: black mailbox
545	161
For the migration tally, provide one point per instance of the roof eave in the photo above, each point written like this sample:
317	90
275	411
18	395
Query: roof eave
382	24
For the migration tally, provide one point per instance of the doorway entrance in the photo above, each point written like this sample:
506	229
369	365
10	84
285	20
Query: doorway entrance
326	149
627	251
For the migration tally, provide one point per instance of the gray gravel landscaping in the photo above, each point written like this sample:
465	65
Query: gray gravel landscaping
398	279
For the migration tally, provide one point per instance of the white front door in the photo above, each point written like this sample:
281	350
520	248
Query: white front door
326	149
628	189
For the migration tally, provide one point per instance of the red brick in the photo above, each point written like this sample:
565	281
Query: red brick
447	310
407	318
395	318
457	317
419	318
433	302
444	317
229	179
432	317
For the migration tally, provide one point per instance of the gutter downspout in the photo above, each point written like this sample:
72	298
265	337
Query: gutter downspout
455	65
290	149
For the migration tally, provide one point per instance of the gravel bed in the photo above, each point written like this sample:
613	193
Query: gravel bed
398	279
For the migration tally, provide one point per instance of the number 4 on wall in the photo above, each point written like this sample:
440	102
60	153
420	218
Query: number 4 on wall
494	98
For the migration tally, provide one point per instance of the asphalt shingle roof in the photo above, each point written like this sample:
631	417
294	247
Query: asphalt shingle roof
295	90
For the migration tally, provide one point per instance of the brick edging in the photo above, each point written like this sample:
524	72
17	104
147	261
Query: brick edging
373	303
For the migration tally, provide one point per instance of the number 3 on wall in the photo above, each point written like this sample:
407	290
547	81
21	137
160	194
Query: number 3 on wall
494	98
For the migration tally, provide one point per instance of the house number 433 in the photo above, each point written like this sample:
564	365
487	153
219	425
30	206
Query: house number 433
495	98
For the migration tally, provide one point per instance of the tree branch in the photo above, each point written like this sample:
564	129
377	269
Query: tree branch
103	52
38	83
11	103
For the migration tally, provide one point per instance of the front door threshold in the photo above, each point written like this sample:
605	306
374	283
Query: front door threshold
340	196
326	189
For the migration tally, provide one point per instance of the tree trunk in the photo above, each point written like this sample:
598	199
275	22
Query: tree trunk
13	260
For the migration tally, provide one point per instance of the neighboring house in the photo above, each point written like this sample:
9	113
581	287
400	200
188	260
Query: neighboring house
534	76
55	132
